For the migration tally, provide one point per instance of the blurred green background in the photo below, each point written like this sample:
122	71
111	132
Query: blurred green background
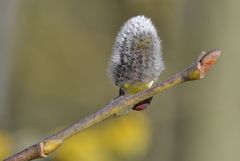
53	60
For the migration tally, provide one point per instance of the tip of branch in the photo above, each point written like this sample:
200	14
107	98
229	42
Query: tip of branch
207	60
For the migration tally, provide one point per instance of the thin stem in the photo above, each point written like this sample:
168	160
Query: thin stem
119	106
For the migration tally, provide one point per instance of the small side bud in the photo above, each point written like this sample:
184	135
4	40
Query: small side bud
136	56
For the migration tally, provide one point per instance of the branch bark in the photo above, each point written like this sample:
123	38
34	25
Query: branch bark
119	106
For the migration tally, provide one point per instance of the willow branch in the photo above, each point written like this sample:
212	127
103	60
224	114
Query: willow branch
119	106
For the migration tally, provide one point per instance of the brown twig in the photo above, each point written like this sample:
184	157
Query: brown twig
117	107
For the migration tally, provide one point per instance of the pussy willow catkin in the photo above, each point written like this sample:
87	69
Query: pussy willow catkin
136	55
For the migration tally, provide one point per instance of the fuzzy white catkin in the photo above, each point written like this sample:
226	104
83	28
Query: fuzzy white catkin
136	56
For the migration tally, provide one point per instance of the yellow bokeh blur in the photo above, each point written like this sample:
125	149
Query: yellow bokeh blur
5	144
85	146
125	137
128	136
